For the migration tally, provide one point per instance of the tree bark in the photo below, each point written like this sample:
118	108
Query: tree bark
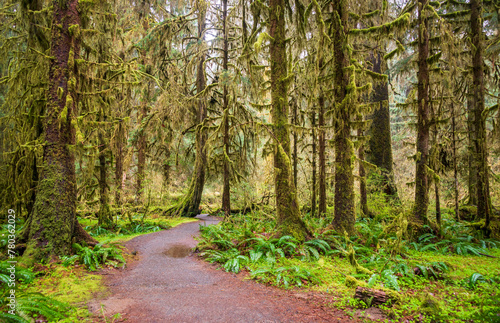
472	152
344	216
141	147
322	157
54	216
455	161
363	199
295	148
313	164
423	123
104	215
483	187
226	194
287	205
120	136
380	142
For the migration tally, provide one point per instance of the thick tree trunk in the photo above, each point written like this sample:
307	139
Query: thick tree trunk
423	123
287	204
313	164
54	216
226	194
344	217
483	185
380	143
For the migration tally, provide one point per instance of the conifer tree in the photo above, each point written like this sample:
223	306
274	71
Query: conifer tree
287	204
54	223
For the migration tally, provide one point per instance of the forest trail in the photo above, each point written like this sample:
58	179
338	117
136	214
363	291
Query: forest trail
168	284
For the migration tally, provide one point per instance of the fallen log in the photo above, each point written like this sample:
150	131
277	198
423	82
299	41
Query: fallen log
373	296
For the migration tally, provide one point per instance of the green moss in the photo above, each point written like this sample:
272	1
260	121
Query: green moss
352	282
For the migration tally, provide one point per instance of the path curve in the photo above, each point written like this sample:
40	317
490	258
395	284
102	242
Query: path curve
168	284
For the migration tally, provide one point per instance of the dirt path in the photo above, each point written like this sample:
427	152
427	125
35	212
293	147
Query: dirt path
167	284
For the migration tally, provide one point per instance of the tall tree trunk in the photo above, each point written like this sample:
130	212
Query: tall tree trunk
483	185
287	204
104	215
380	143
141	147
472	152
455	161
438	203
144	12
190	204
226	195
54	217
313	164
423	123
363	199
295	148
321	157
344	217
120	136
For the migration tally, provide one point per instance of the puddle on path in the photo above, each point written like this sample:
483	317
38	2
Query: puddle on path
177	251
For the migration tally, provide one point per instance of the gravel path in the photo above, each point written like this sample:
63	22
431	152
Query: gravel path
168	284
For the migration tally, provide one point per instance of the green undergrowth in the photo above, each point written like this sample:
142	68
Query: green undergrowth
450	275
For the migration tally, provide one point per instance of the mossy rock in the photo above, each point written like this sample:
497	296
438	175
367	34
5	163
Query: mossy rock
468	212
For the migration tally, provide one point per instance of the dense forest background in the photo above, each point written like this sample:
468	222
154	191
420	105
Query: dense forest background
336	110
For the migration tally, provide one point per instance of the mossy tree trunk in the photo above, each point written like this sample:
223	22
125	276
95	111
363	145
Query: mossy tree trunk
423	123
471	157
344	216
321	157
120	139
190	204
141	146
104	215
287	204
295	148
313	164
363	199
54	222
483	187
144	16
380	143
226	193
455	161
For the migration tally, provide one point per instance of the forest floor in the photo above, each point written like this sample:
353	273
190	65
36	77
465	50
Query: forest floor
167	283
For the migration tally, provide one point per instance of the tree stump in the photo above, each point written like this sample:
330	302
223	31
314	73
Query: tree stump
372	296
